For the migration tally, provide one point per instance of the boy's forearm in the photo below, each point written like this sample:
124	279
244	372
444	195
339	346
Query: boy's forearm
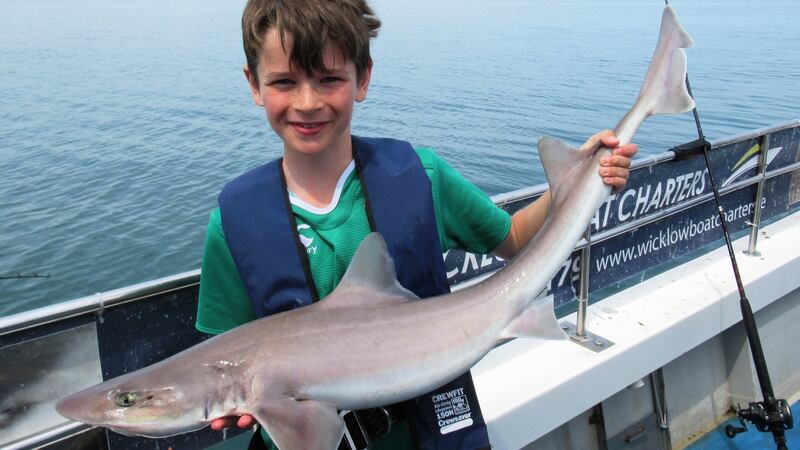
525	223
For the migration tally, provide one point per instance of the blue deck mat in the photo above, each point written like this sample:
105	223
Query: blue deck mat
751	439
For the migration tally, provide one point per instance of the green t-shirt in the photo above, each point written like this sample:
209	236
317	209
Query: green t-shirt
465	217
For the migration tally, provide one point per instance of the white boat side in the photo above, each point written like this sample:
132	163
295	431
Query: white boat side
686	320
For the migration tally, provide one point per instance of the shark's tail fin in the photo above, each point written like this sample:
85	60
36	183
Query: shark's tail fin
664	88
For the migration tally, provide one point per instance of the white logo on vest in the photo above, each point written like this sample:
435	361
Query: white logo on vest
452	410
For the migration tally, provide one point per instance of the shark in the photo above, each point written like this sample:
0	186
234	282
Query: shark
371	342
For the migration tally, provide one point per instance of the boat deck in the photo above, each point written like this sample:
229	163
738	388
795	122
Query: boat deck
716	439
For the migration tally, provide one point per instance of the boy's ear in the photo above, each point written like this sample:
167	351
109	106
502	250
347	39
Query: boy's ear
254	87
363	83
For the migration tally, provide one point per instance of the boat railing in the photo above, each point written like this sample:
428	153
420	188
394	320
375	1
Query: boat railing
97	302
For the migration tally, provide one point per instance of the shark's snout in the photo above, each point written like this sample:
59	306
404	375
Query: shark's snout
72	407
87	406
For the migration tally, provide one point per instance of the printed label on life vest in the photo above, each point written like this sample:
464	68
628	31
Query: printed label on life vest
452	410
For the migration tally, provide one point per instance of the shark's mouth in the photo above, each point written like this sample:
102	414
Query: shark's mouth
153	431
122	431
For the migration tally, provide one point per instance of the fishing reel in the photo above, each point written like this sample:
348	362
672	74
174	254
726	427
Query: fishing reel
779	419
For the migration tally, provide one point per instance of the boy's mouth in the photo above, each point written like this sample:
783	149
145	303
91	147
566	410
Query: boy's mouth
308	128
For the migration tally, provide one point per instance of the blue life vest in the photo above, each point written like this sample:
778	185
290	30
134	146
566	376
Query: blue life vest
260	230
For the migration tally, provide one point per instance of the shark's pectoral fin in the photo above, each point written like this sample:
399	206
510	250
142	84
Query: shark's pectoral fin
301	425
538	320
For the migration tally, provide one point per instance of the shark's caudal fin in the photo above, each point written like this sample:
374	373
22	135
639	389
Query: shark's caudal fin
664	88
663	92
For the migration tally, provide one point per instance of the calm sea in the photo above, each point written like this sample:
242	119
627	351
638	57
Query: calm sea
120	121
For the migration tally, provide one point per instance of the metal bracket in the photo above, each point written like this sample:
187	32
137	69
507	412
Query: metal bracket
591	341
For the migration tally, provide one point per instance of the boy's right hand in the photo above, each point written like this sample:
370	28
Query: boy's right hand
243	421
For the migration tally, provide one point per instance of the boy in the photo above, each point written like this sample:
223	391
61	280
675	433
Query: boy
286	231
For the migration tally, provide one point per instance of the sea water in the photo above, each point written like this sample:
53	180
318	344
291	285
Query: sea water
120	121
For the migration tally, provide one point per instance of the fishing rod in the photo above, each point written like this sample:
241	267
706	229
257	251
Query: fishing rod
770	415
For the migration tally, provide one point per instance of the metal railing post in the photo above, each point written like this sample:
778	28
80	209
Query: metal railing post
583	296
756	223
660	408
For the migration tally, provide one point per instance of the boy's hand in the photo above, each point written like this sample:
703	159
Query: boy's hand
243	421
614	168
526	222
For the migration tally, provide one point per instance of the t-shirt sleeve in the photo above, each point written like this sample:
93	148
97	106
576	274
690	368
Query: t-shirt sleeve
223	302
467	218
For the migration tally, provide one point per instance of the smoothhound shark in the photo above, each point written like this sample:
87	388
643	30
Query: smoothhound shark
371	342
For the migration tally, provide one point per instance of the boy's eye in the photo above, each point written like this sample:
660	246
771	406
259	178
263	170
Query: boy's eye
330	79
281	82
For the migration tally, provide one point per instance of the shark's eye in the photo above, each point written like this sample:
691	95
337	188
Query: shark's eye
125	399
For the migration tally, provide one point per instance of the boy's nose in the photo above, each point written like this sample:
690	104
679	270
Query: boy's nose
306	98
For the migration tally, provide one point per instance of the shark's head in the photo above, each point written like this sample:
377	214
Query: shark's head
136	404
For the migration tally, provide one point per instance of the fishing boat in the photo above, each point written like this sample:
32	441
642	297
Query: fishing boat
658	355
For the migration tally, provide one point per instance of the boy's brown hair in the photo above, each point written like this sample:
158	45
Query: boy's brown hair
312	24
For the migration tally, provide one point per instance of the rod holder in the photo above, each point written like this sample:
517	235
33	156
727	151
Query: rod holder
755	224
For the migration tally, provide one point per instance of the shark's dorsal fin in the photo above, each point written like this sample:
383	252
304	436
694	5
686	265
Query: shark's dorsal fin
560	161
371	272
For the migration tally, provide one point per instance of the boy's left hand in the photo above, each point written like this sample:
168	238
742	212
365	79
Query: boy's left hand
614	168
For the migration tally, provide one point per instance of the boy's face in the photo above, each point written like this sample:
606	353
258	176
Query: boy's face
310	112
